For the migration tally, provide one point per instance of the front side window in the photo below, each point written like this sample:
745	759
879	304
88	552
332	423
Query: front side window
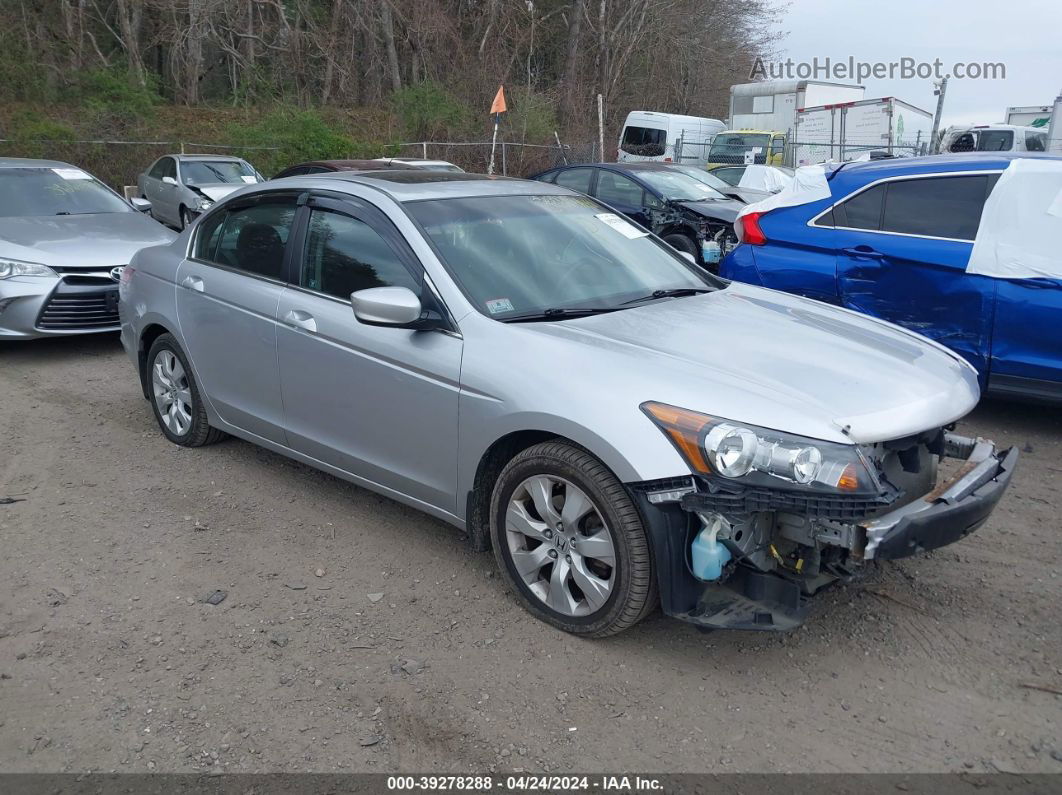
995	141
613	188
249	238
644	141
169	168
1036	142
55	191
523	255
576	179
344	255
158	171
212	172
935	206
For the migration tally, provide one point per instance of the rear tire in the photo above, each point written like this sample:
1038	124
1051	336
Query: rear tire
585	567
175	398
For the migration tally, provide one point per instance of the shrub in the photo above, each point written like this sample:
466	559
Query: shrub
428	112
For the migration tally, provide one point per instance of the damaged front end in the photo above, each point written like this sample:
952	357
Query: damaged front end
747	549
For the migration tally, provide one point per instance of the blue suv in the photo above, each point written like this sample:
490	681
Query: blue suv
893	241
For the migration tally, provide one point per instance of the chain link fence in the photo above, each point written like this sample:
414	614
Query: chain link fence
118	163
793	153
510	159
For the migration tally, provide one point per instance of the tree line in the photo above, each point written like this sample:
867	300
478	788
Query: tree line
438	61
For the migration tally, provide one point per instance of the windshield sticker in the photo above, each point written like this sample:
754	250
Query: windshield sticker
72	173
624	227
249	179
497	305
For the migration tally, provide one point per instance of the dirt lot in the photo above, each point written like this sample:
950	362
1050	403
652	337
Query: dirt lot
111	659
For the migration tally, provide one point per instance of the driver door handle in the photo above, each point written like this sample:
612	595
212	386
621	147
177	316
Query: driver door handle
300	319
192	283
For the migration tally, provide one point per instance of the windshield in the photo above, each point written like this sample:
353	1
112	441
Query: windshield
679	187
520	255
208	172
701	175
55	191
731	147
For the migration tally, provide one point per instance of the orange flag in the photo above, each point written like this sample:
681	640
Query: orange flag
498	106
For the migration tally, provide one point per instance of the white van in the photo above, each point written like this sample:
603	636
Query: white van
994	138
648	136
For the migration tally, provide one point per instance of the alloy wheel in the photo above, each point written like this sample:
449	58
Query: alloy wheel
560	545
173	394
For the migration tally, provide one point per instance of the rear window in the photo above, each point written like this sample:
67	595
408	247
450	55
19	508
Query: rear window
644	141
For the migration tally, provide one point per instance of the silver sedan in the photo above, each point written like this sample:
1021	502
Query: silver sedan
621	427
180	187
64	237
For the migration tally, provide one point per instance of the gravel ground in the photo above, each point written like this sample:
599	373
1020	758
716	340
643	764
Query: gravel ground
359	635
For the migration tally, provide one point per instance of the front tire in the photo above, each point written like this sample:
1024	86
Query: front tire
175	398
570	542
186	218
684	244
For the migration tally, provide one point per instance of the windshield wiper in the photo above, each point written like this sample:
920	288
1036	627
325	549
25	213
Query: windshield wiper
677	292
556	313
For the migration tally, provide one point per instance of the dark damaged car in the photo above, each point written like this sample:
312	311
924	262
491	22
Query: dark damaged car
688	214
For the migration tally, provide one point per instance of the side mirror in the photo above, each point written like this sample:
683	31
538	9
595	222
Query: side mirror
386	306
169	180
140	204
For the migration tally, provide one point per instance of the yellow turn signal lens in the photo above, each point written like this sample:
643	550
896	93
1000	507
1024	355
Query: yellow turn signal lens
685	429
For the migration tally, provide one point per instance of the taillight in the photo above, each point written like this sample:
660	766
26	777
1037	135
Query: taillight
750	230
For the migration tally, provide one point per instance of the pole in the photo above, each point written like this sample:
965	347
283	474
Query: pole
424	149
493	143
560	148
934	144
601	126
1054	129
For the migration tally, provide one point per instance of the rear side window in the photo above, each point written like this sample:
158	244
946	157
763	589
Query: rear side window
612	188
862	211
644	141
576	179
936	206
248	238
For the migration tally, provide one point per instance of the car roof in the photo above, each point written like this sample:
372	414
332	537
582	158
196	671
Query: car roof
966	161
408	185
26	162
346	165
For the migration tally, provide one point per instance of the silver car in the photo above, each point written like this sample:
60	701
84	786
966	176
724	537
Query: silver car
64	237
180	187
621	427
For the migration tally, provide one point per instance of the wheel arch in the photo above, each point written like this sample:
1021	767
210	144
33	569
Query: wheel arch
150	333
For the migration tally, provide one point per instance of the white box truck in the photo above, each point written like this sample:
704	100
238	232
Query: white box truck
1029	115
774	104
854	130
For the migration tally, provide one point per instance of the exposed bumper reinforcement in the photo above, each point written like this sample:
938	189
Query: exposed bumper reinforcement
949	512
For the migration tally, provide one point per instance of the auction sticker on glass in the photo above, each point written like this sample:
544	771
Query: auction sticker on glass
624	227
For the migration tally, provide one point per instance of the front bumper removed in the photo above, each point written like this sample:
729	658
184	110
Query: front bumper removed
765	600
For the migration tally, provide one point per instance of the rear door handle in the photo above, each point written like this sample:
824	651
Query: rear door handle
192	283
863	252
300	319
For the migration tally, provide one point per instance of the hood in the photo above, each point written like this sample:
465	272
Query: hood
219	190
717	209
746	195
778	361
93	241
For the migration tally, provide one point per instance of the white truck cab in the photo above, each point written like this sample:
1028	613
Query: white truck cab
651	136
994	138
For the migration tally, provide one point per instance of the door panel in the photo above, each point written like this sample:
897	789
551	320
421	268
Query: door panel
227	299
240	375
1027	342
378	402
893	263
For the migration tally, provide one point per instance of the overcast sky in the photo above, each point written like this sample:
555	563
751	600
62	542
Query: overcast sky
1026	36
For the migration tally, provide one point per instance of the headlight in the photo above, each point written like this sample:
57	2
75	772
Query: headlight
204	204
14	267
754	455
